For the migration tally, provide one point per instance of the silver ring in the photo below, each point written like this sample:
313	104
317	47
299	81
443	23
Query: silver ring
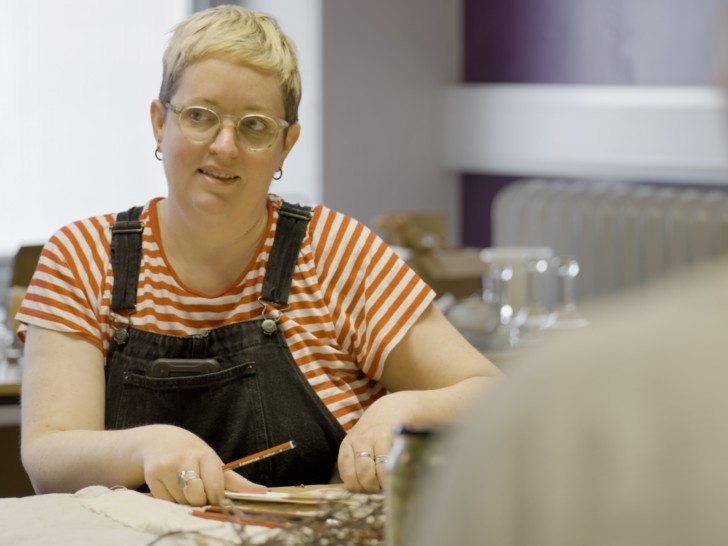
363	455
380	459
185	477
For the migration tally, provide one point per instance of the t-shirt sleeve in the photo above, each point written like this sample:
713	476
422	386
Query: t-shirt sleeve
66	289
373	296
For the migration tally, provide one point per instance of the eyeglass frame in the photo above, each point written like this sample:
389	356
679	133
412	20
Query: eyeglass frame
279	123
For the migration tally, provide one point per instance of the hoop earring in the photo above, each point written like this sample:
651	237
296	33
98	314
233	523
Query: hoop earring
158	154
280	174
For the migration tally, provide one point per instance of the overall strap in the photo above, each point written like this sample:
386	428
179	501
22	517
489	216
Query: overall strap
290	231
126	257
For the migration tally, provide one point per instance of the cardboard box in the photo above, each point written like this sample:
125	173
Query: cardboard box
425	237
457	271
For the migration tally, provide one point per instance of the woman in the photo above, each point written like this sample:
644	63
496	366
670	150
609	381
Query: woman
167	340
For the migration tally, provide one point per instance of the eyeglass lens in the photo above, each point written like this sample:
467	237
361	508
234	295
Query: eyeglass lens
255	131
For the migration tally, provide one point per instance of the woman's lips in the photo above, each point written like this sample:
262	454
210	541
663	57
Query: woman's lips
218	175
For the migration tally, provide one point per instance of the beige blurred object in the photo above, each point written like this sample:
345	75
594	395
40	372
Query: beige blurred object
609	435
24	264
419	231
448	270
456	271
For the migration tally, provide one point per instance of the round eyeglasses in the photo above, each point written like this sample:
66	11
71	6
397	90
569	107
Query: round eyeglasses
256	132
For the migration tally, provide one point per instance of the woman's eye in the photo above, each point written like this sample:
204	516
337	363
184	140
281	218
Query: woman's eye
199	115
256	124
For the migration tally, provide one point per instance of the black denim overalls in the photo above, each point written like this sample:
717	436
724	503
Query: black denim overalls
259	398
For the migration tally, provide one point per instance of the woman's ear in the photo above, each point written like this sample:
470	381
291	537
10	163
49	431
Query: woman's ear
157	111
292	134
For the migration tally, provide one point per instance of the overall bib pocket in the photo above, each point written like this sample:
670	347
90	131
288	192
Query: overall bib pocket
210	405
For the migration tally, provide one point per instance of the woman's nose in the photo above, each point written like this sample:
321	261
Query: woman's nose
226	142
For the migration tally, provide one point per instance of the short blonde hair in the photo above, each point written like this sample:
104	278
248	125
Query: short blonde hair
237	34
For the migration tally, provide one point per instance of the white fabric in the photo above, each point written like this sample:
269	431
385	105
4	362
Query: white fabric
97	515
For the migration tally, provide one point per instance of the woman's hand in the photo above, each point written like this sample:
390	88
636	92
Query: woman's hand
433	375
170	450
363	452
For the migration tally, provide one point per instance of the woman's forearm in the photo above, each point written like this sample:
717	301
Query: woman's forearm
447	404
66	461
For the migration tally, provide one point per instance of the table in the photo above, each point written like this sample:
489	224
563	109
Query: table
99	515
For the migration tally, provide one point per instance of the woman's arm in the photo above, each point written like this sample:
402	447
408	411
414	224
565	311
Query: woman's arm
434	375
65	447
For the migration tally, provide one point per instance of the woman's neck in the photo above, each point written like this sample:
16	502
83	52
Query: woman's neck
209	252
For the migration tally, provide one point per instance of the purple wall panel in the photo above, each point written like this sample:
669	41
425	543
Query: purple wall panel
513	42
478	194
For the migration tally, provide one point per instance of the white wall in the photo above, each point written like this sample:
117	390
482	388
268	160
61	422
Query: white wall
78	77
385	66
301	20
598	132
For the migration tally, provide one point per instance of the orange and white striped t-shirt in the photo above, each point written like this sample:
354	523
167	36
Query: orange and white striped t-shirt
351	301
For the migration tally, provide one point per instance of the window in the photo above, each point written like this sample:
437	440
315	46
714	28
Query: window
78	77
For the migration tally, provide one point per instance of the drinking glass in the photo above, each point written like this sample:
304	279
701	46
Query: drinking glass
566	314
536	313
505	334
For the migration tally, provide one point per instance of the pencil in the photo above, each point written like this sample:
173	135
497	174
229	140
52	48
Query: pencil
237	519
275	450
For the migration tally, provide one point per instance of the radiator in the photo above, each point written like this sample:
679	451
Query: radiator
621	234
